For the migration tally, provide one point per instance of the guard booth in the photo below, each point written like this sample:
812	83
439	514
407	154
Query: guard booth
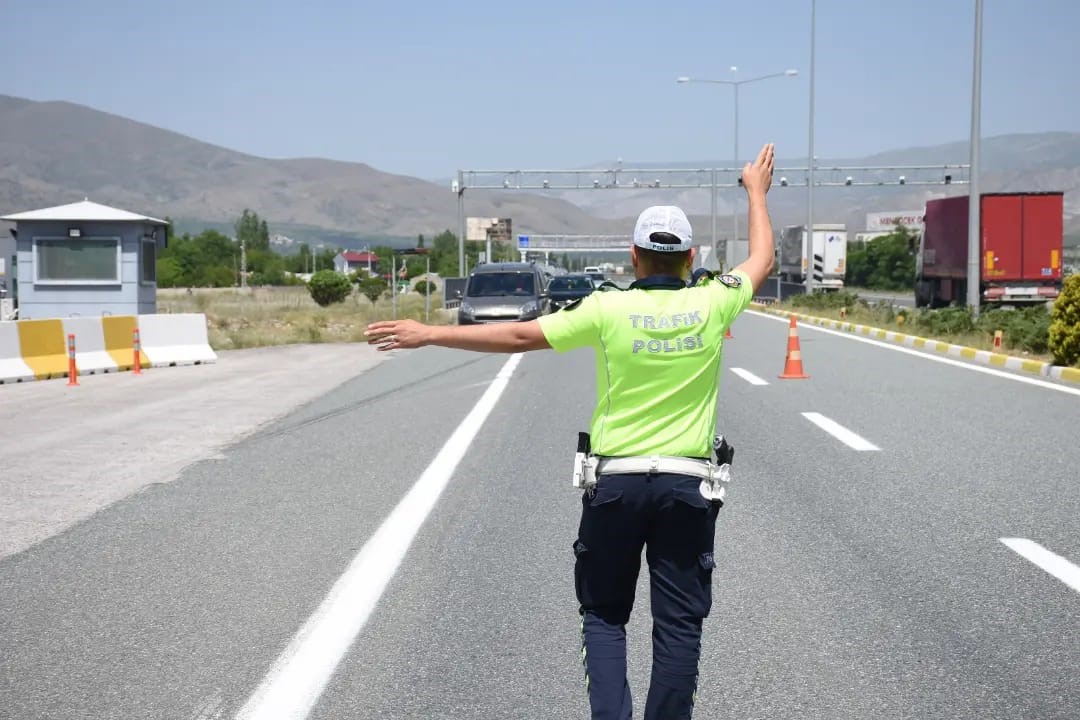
7	275
86	260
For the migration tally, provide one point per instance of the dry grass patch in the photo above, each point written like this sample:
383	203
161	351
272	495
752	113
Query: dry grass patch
258	317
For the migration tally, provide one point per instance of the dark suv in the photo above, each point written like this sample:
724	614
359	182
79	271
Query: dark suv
503	292
565	289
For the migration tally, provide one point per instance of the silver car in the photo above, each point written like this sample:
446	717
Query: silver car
503	292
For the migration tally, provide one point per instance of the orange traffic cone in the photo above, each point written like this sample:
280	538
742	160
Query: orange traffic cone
793	369
727	334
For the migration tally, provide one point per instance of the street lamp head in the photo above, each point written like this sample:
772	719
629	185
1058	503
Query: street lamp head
682	79
791	73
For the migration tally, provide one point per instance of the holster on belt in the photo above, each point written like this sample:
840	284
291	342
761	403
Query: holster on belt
584	476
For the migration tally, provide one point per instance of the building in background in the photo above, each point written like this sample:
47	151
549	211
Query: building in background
885	223
7	272
86	260
349	261
482	229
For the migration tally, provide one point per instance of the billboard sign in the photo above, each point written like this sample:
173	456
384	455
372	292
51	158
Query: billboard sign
479	229
887	221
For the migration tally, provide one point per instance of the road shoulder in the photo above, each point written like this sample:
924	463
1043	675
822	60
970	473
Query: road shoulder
70	451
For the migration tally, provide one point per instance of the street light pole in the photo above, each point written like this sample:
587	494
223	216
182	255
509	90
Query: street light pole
808	255
730	249
712	216
735	85
974	198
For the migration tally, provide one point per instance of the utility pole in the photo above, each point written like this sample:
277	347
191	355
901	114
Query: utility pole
808	257
243	264
974	198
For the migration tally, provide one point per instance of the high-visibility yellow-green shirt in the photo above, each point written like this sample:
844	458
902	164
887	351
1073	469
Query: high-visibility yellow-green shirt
658	355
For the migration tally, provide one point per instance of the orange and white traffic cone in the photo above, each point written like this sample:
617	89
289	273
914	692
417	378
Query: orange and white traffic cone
727	334
793	369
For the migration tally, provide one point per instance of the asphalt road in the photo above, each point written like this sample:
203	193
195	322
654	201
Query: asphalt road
850	584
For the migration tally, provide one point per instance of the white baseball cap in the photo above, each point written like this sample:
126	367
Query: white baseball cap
663	219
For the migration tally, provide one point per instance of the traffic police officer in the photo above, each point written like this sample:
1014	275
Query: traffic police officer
658	351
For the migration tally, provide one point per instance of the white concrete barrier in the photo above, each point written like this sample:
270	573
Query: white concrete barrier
175	339
90	354
12	367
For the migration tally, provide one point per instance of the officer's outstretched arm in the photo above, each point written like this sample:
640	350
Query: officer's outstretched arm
499	337
757	178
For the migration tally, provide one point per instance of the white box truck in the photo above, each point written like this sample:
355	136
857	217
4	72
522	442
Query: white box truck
828	259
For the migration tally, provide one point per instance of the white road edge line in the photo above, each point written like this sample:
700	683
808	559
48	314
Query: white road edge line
928	356
1051	562
841	433
748	376
299	675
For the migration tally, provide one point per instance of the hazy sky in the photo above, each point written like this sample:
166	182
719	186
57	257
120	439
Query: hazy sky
425	88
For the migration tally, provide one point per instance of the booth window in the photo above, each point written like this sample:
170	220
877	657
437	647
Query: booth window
148	263
77	261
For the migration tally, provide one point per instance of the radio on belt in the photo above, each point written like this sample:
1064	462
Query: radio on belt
584	463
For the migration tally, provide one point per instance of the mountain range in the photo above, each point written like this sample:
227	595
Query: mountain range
53	153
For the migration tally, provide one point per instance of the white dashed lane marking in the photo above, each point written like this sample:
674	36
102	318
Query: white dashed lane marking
1051	562
748	376
841	433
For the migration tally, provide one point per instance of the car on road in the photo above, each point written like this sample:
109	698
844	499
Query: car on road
595	274
504	292
565	289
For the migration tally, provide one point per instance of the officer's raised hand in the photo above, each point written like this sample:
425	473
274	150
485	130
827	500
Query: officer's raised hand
757	176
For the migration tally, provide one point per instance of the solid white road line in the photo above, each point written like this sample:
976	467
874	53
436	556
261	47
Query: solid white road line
841	433
1052	563
299	675
748	376
928	356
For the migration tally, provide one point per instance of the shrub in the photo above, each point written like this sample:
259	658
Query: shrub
826	300
424	287
372	287
328	287
1026	329
1064	333
953	320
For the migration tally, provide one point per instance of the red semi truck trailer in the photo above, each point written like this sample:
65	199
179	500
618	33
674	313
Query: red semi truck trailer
1019	253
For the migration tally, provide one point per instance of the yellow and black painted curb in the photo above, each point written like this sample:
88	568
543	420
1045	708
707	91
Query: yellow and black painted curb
983	357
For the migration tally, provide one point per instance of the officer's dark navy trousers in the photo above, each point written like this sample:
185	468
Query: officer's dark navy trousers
667	515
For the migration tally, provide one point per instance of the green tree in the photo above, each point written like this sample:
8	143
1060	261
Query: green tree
252	231
206	260
884	263
424	287
372	287
328	287
1064	335
168	272
420	240
444	254
300	261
